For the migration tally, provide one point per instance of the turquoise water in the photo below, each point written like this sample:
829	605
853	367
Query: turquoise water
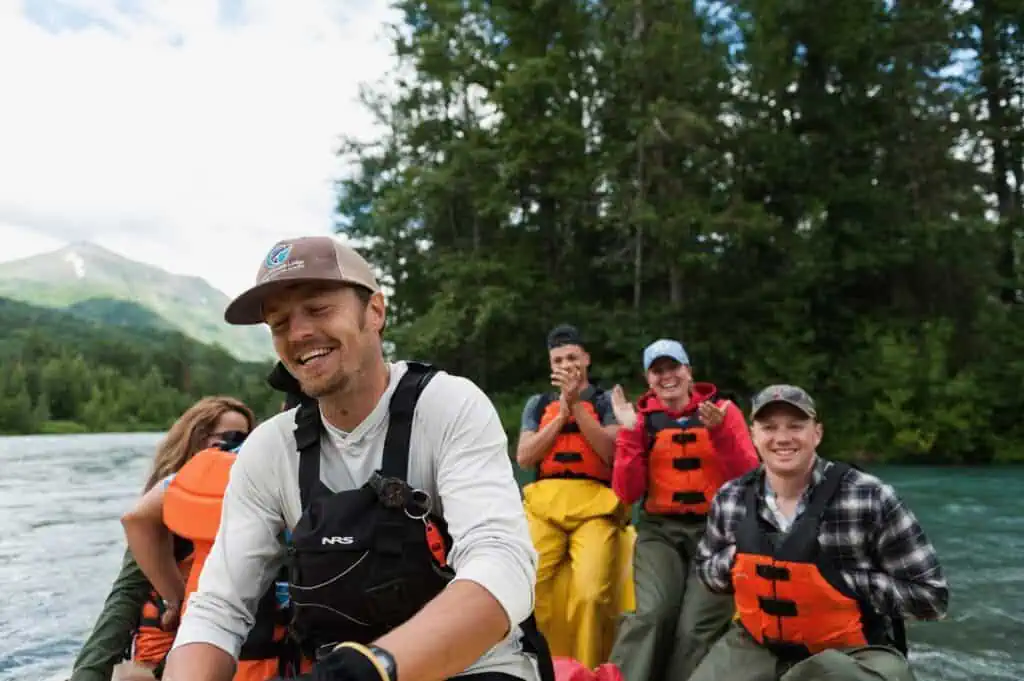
61	543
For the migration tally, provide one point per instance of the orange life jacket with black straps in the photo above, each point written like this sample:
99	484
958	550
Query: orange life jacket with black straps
684	473
789	594
151	643
571	456
192	509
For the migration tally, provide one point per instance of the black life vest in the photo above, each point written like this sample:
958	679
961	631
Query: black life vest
361	562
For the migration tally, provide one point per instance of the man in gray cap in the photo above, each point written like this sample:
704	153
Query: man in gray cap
391	490
823	560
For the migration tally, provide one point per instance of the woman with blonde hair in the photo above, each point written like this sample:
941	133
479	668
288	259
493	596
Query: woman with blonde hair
210	422
171	532
206	423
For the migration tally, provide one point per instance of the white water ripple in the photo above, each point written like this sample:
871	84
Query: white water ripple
61	543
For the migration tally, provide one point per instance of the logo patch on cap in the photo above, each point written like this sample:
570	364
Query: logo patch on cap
278	255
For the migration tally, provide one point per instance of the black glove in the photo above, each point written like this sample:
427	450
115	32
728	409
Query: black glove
355	662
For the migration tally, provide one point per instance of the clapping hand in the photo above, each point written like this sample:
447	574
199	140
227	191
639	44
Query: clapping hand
569	381
624	412
711	415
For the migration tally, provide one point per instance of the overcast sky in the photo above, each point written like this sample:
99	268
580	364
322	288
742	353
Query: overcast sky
190	134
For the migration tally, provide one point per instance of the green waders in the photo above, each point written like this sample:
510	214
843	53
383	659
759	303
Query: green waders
676	619
738	657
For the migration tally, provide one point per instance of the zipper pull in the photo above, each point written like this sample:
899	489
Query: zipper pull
435	542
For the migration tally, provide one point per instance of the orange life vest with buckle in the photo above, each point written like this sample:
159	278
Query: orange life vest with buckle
789	595
192	509
571	456
684	473
151	643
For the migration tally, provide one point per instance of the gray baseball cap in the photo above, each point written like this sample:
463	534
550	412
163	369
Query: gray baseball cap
300	260
787	394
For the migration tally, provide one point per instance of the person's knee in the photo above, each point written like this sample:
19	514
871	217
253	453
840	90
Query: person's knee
662	614
705	615
592	582
594	577
717	665
889	664
871	662
551	546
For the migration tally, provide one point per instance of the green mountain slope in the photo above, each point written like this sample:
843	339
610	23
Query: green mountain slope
113	312
90	280
64	373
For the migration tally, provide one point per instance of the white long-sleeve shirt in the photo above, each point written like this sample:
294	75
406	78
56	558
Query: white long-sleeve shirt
458	455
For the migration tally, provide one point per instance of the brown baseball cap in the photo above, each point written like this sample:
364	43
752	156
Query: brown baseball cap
304	259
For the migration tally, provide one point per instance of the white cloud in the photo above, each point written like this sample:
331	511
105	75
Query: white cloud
173	136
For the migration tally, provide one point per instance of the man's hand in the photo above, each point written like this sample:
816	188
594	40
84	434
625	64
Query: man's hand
712	415
570	382
170	617
355	662
564	410
624	412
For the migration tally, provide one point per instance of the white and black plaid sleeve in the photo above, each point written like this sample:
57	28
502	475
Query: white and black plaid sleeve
717	547
906	578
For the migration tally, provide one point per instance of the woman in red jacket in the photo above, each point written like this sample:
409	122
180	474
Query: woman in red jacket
674	450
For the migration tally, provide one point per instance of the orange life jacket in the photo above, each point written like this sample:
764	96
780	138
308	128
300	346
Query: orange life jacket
151	643
684	473
571	456
789	595
192	509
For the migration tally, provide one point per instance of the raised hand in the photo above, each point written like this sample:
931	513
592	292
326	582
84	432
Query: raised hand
569	380
623	409
711	415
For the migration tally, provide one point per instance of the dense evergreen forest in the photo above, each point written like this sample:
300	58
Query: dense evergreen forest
824	193
829	194
64	374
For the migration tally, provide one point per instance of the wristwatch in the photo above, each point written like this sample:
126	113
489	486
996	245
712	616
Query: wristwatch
387	660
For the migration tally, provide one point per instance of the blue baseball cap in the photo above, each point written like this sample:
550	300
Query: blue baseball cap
664	347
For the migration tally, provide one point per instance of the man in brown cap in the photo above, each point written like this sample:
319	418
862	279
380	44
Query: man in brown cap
390	495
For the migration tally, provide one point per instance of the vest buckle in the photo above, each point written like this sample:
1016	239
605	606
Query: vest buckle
391	492
397	493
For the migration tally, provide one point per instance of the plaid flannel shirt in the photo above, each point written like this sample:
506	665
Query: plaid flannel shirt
873	538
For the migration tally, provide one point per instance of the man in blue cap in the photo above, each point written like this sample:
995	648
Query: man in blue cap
674	451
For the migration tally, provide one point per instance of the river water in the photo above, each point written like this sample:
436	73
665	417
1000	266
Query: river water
61	543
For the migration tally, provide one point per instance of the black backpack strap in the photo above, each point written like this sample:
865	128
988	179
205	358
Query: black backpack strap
542	404
401	409
535	643
655	421
259	643
899	634
307	439
826	489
